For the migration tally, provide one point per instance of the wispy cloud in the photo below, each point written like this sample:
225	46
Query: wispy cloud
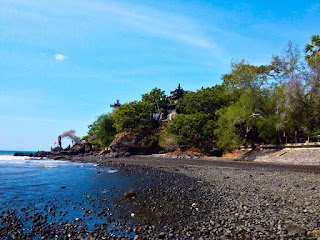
162	24
136	18
314	8
59	57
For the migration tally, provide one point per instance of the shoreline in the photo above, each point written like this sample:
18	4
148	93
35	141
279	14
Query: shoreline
163	162
210	199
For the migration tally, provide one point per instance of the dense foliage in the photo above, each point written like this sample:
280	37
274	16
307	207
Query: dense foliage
101	131
156	98
134	115
274	103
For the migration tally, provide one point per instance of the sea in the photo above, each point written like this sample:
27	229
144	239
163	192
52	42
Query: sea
70	187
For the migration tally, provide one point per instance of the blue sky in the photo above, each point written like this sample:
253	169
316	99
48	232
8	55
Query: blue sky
63	62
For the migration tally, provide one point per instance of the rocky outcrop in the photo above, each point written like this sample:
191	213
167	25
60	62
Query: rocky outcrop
42	154
77	149
133	143
22	154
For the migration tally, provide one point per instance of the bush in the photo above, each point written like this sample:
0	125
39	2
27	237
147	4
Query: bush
168	141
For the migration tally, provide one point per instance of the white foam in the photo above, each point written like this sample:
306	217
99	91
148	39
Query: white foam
12	158
19	160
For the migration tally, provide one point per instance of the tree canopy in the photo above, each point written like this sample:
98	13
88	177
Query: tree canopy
136	115
274	103
102	131
156	98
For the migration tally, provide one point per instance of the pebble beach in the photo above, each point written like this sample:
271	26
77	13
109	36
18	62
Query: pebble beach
195	199
240	201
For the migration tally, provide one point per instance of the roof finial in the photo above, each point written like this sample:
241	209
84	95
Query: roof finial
117	104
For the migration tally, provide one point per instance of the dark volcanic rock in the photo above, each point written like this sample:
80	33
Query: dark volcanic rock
130	194
42	154
60	153
57	149
23	154
61	158
103	152
133	143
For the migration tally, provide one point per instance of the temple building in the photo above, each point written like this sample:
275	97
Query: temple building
170	110
115	105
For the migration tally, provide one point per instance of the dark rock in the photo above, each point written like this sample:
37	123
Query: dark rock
43	154
294	230
133	143
88	147
103	152
114	154
23	154
127	154
57	149
162	235
61	158
130	194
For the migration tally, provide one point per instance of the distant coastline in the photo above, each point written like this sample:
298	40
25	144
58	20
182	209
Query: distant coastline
11	152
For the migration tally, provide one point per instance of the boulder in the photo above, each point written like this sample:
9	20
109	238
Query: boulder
130	194
126	142
127	154
77	149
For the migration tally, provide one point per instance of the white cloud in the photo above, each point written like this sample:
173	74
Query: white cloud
59	57
161	24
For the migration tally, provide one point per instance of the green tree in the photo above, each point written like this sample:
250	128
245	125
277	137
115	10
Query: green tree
244	77
312	57
134	116
313	51
194	130
271	125
248	88
228	125
194	125
102	130
156	98
205	100
294	103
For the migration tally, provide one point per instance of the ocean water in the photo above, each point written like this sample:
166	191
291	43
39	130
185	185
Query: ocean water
10	153
68	187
